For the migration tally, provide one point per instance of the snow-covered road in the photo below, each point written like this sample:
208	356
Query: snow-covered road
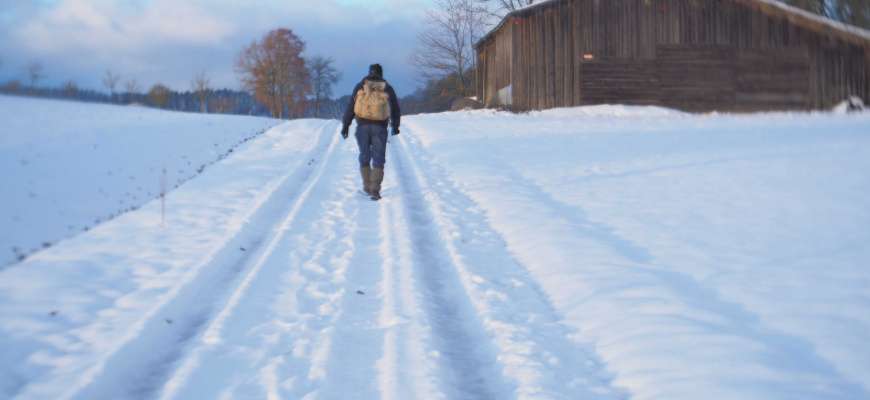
313	291
598	253
349	298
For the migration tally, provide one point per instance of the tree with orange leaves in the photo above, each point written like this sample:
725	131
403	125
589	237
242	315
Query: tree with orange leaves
274	70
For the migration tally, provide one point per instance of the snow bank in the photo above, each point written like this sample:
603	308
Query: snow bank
704	256
66	167
101	315
604	252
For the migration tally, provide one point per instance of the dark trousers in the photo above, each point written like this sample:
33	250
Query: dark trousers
372	141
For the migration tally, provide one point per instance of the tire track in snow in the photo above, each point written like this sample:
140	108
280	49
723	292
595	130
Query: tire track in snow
375	346
468	359
319	337
537	356
354	337
144	357
621	276
272	341
409	368
324	339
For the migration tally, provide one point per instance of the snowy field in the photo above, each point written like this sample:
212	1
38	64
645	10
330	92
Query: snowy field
591	253
66	167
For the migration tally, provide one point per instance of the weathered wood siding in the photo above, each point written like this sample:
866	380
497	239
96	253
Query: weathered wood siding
619	81
773	80
696	77
697	55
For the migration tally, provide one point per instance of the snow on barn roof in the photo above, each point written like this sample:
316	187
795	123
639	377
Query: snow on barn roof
795	15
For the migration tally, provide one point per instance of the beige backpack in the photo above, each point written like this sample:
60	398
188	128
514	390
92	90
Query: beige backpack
371	102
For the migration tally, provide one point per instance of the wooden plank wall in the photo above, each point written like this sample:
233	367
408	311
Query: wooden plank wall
772	79
544	54
503	58
625	81
487	74
696	77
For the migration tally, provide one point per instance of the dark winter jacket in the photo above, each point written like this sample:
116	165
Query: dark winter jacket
395	113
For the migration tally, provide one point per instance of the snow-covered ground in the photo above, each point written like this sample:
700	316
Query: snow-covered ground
66	167
593	253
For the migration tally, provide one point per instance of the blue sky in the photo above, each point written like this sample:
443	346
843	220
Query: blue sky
171	41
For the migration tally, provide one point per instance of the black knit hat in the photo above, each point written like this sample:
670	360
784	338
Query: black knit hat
376	70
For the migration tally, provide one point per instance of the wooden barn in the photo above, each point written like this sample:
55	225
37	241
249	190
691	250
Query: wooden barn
694	55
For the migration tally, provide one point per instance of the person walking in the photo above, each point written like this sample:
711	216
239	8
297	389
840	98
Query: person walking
374	105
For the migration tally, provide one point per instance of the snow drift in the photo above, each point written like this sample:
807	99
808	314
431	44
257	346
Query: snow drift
602	252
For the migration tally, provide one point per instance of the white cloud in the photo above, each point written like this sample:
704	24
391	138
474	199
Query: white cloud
170	41
120	27
184	22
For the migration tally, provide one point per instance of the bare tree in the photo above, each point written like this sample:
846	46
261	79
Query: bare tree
323	76
495	10
70	87
445	46
13	86
110	80
820	7
159	94
258	75
296	79
853	12
296	97
201	85
132	87
274	71
35	72
221	105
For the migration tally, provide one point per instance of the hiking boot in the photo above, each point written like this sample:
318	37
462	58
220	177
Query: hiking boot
366	172
375	179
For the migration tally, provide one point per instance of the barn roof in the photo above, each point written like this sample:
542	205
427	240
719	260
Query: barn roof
814	22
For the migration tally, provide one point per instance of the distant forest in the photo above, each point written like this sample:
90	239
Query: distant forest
224	101
276	81
446	68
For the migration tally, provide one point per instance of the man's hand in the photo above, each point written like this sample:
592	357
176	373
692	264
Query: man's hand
395	131
344	131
